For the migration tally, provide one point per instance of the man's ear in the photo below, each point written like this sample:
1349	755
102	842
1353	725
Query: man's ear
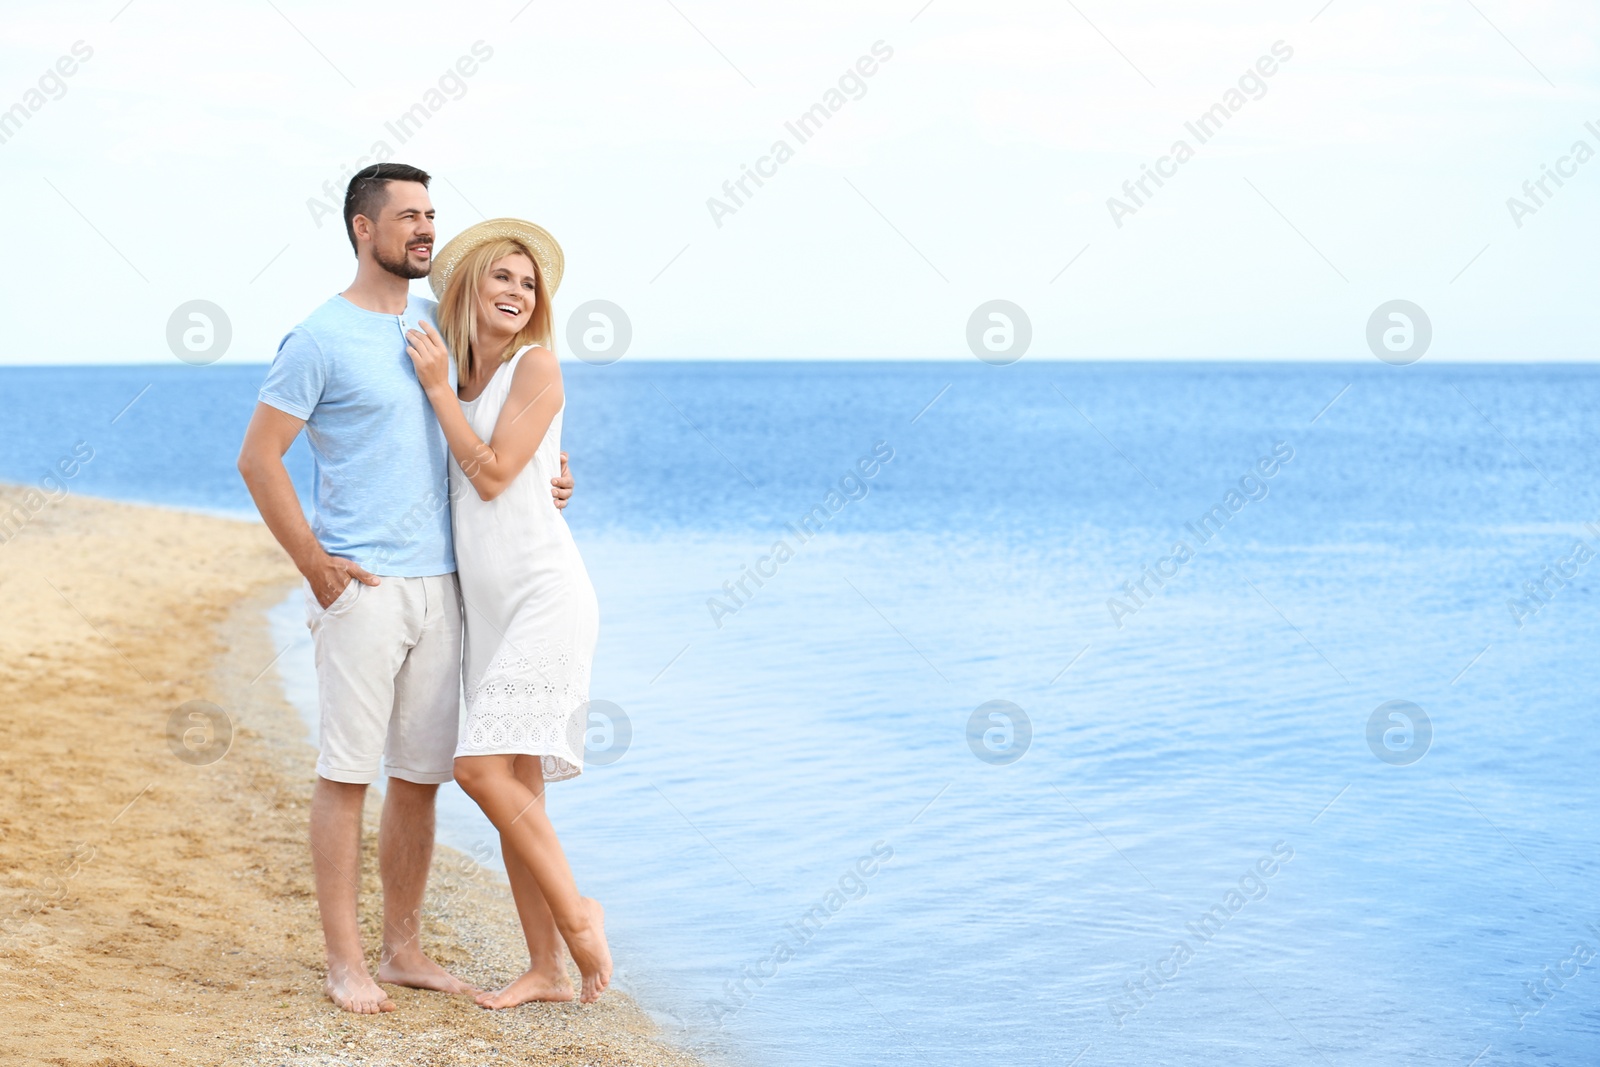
362	227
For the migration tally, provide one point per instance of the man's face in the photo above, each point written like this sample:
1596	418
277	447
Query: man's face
402	234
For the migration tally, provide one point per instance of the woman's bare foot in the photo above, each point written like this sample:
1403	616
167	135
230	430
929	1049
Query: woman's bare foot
543	982
590	951
419	972
355	991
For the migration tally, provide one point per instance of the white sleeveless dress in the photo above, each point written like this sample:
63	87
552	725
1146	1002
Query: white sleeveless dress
529	610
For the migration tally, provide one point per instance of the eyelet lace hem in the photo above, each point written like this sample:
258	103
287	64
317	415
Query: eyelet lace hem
530	705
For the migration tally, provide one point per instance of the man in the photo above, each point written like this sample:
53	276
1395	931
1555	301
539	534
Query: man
382	601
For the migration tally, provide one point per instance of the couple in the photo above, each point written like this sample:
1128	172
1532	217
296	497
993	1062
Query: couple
435	431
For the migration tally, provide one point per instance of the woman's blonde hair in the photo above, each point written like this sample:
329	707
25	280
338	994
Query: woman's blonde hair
458	318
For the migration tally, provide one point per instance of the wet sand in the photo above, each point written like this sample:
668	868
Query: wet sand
157	907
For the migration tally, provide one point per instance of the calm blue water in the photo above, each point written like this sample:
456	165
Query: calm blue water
1123	893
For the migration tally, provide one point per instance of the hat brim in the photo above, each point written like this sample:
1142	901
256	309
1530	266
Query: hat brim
546	251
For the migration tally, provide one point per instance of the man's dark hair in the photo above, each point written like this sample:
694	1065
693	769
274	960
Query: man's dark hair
369	191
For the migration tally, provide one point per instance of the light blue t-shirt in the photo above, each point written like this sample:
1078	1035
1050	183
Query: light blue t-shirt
381	489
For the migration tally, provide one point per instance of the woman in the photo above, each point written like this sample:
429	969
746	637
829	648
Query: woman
530	612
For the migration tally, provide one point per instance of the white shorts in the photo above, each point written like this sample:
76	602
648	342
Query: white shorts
388	679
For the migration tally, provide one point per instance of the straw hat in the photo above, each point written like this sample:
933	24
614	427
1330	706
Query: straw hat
545	250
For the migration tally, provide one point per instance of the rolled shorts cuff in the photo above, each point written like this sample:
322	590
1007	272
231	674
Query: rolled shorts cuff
345	776
406	774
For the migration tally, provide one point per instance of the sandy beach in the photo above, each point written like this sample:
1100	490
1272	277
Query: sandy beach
157	908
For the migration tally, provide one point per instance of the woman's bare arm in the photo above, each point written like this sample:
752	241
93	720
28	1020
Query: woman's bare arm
535	397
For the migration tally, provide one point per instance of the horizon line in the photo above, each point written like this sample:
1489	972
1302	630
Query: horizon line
1576	361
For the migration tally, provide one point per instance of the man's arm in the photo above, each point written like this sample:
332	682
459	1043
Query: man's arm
268	437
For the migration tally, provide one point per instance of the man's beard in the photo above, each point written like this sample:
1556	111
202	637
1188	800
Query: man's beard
403	267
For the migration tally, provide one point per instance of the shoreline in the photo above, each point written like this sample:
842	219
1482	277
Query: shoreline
157	907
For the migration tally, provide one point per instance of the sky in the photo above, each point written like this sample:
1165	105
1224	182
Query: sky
191	153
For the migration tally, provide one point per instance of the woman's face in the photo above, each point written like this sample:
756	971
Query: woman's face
506	298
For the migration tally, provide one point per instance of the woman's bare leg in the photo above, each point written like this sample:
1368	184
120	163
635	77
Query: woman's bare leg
525	832
546	976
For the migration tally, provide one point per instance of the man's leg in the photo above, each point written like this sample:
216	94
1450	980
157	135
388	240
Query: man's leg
336	859
360	645
405	853
420	755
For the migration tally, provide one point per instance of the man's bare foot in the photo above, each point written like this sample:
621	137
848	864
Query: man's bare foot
590	952
419	972
355	991
546	982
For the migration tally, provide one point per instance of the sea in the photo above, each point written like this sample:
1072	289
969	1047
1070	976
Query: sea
1057	713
